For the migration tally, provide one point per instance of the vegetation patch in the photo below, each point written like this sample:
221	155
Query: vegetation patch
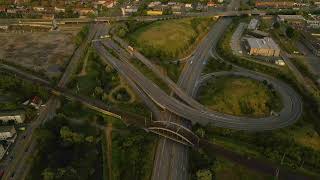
228	170
121	95
67	151
169	39
239	96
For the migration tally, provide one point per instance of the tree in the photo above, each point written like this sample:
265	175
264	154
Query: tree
122	30
48	174
290	32
200	132
276	25
204	174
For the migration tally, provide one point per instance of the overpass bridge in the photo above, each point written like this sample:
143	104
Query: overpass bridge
126	18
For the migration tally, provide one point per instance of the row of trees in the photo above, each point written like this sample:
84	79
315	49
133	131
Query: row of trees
25	89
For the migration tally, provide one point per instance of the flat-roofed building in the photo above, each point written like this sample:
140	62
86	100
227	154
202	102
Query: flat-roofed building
7	132
262	47
290	18
253	24
16	116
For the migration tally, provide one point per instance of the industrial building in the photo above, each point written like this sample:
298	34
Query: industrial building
16	116
262	47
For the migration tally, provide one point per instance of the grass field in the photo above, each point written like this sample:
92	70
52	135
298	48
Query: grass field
238	96
171	38
228	170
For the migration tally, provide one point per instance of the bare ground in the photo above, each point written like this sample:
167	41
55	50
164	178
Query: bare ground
46	52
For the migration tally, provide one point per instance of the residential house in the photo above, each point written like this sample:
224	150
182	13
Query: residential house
39	9
59	9
84	11
211	4
188	5
7	132
153	4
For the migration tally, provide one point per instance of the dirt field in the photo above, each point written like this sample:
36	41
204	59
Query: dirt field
46	52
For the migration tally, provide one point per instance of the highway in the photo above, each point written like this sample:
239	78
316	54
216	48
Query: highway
16	169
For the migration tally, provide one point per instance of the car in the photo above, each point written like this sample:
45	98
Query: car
191	62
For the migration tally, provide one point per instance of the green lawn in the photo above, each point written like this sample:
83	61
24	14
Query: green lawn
171	38
238	96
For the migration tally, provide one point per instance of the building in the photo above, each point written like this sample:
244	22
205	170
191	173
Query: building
296	21
154	12
253	24
16	116
284	18
129	10
274	4
311	42
188	5
7	132
39	9
59	9
313	24
153	4
262	47
211	4
258	34
4	27
85	11
2	151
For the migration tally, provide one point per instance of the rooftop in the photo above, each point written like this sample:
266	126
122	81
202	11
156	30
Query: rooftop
265	43
6	128
291	17
11	113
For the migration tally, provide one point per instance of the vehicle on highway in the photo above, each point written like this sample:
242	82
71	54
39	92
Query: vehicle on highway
105	36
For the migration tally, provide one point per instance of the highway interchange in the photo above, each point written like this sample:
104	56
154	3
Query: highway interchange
171	161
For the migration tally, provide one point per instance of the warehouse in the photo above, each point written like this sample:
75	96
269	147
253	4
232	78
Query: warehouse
262	47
